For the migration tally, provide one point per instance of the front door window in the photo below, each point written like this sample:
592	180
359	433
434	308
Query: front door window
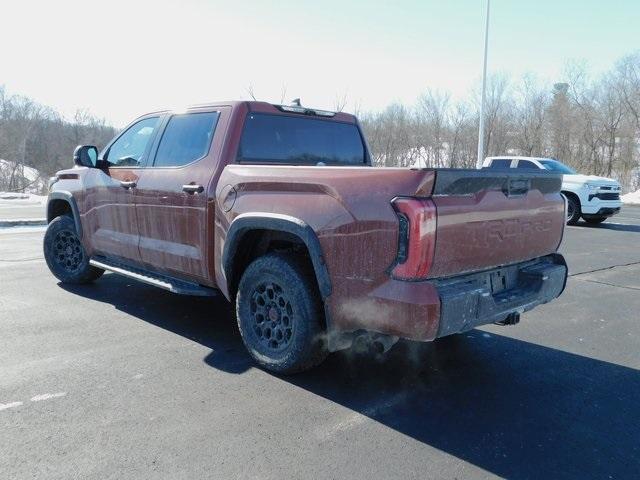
129	148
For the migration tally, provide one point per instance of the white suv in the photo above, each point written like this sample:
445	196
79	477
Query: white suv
590	197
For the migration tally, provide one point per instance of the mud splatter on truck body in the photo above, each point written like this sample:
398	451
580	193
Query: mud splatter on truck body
413	253
351	212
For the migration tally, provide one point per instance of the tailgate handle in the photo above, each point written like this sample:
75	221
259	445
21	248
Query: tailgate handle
516	187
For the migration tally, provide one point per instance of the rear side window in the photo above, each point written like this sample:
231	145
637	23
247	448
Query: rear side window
527	165
186	138
299	140
500	164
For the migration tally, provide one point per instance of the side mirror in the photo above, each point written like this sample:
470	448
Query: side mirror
85	156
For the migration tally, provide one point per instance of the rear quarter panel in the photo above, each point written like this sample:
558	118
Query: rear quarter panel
350	210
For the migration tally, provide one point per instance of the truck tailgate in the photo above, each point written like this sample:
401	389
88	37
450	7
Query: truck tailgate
491	218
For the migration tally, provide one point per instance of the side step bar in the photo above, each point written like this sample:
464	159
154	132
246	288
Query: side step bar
165	282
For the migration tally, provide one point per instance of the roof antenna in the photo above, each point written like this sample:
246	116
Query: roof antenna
296	102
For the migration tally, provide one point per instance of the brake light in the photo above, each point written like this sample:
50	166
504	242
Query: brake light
416	237
305	110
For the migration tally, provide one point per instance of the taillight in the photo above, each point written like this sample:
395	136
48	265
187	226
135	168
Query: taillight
416	237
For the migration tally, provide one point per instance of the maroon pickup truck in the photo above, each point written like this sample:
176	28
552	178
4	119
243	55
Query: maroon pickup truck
279	209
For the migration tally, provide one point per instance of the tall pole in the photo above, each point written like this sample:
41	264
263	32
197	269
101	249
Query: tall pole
484	87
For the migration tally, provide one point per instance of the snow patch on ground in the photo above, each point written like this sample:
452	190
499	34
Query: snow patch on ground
22	199
29	173
37	182
632	198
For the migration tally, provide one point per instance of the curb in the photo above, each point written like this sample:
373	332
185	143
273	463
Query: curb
23	222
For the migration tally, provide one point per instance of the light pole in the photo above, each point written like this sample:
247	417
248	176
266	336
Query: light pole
484	87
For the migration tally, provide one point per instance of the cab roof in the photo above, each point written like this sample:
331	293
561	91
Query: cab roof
265	107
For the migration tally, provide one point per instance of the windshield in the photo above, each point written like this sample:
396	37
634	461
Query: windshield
556	166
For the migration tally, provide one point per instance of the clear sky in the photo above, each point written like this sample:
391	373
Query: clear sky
119	59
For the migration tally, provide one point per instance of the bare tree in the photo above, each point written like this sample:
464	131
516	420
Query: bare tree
530	117
590	123
340	102
389	137
432	119
283	94
628	70
610	110
251	93
462	138
496	113
35	136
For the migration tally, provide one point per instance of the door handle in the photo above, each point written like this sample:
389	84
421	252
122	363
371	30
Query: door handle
128	185
191	189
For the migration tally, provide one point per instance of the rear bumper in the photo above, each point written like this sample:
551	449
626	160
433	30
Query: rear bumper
470	301
431	309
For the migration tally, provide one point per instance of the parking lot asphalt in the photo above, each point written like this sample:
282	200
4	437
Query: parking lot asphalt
121	380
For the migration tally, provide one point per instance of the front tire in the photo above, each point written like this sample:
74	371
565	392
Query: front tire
279	314
65	255
573	210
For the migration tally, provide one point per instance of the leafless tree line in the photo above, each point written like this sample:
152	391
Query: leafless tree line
34	135
592	124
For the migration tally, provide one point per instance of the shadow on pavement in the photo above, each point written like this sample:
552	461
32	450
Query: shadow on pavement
512	408
622	227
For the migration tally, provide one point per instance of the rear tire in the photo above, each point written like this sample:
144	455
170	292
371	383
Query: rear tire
594	220
279	314
573	210
65	255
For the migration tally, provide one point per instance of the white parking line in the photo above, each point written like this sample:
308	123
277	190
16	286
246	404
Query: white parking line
47	396
36	398
4	406
354	419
